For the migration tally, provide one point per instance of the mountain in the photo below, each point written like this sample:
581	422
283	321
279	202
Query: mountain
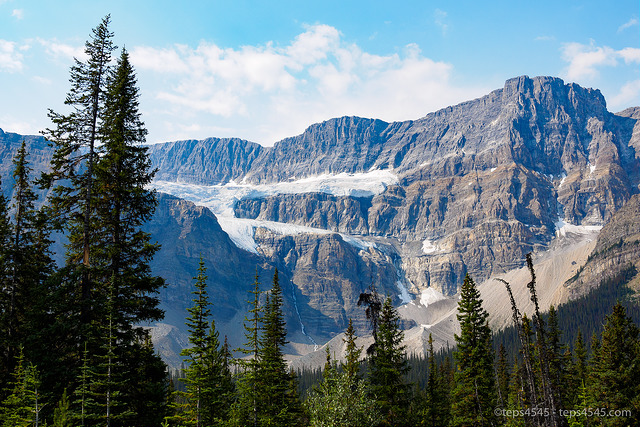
478	186
410	207
616	249
537	166
39	155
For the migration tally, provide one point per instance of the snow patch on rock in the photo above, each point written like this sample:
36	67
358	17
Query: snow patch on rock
220	199
404	296
429	296
563	228
428	247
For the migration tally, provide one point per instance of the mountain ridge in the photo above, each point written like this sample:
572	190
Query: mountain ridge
470	188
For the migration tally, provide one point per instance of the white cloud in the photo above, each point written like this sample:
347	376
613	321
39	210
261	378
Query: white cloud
162	60
629	95
10	57
62	51
630	55
18	13
585	60
441	21
42	80
15	125
630	23
269	92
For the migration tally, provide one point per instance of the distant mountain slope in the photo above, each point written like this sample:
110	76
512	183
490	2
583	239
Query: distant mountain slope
210	161
39	155
617	247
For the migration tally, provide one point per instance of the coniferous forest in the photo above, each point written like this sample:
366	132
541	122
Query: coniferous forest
72	352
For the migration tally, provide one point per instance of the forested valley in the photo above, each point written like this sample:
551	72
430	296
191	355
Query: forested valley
73	353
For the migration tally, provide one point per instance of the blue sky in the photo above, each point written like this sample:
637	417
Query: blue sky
265	70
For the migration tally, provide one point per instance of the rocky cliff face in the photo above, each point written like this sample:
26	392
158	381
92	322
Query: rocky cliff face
39	155
347	144
211	161
322	276
480	183
617	248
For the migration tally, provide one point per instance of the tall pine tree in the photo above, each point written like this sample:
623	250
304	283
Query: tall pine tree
280	403
72	176
616	369
244	411
388	366
123	251
207	398
474	395
27	264
5	236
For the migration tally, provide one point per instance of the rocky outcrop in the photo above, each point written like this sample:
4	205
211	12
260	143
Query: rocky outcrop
187	232
328	275
39	156
206	162
347	144
617	248
340	214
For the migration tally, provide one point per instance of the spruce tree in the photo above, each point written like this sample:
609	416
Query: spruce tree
577	375
388	367
62	413
108	385
435	409
26	266
474	395
83	403
5	236
218	393
208	394
340	400
124	251
124	205
191	412
280	403
249	386
351	367
502	377
616	369
516	397
149	399
21	254
19	408
72	176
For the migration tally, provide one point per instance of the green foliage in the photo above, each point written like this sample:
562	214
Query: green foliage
388	366
616	369
474	395
266	388
436	412
351	366
26	264
62	413
23	404
341	400
244	411
209	388
279	400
